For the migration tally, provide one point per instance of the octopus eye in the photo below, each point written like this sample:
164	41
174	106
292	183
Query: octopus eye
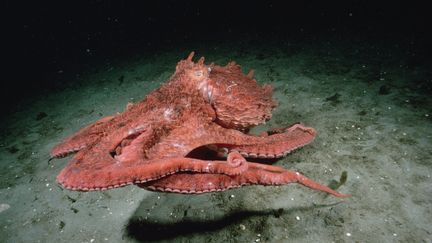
199	73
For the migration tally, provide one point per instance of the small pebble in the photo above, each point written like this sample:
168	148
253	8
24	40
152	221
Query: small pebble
4	207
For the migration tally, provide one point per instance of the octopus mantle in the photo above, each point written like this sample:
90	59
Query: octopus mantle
188	136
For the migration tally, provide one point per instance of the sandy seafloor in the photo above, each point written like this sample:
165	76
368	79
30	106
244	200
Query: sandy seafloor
370	103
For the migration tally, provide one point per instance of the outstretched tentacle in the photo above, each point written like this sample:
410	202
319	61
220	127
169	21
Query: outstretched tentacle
80	140
277	142
257	174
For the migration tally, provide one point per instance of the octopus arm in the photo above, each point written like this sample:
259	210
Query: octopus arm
278	143
256	174
80	140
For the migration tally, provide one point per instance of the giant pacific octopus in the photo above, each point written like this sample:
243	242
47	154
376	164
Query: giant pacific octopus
157	143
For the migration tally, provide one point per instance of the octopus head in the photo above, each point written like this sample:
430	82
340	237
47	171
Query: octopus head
195	75
238	100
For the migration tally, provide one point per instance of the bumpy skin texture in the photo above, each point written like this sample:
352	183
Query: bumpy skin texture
153	143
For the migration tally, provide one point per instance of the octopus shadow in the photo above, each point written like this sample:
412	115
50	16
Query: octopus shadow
155	227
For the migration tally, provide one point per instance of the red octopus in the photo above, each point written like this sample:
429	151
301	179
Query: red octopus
157	143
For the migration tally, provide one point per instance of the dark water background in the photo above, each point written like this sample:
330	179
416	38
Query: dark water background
48	43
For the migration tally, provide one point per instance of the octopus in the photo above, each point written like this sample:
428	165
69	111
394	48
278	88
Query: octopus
191	135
